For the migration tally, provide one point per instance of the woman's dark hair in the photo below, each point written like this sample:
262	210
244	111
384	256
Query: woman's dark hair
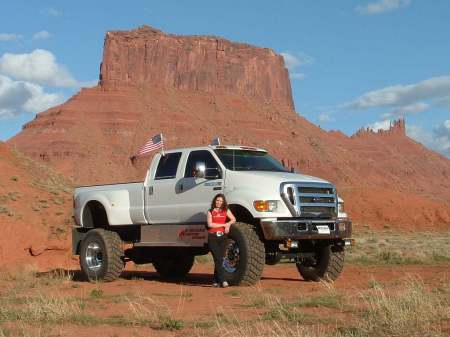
224	204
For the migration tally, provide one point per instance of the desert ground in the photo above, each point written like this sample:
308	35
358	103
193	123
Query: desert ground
394	284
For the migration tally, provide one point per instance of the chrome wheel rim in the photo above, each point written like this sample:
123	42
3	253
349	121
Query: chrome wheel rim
231	258
94	256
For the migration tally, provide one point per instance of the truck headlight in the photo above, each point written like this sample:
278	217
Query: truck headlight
265	205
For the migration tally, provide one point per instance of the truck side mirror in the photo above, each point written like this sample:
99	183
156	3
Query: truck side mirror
200	169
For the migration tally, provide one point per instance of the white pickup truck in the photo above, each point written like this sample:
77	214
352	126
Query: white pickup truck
163	219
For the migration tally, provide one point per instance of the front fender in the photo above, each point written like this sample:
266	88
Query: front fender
245	198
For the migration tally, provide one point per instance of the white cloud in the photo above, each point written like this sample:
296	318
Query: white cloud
411	99
297	76
438	139
290	61
17	97
382	6
51	11
325	118
295	60
380	125
443	102
39	66
405	110
402	95
443	130
42	35
10	37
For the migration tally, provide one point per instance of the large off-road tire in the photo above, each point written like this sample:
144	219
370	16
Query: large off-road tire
101	255
244	256
174	267
328	265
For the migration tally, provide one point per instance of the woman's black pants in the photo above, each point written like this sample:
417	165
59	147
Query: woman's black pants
217	247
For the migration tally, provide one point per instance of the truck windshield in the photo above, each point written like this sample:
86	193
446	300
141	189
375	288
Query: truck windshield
245	160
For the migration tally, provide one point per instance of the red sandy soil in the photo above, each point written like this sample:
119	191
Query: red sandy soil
36	209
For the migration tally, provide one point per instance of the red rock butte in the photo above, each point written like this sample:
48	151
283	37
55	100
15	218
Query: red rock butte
147	56
195	88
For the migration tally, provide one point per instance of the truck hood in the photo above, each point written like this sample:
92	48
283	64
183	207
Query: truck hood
266	184
278	177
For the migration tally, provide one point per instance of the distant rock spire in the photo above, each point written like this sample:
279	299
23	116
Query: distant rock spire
396	127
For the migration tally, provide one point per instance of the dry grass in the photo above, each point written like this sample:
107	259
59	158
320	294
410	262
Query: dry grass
43	308
33	306
145	310
265	329
400	248
5	210
414	311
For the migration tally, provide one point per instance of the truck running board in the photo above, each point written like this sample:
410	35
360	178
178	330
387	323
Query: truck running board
168	235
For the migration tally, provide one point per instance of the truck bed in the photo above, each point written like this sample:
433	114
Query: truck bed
123	202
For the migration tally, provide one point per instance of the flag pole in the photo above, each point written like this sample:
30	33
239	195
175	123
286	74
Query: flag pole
162	147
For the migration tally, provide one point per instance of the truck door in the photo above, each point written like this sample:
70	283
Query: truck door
195	194
160	200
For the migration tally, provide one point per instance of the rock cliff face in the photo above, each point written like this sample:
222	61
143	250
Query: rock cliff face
147	56
194	89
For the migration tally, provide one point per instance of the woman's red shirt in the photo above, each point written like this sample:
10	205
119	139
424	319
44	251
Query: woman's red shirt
218	217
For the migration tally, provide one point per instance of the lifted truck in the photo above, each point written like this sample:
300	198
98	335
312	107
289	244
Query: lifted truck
163	219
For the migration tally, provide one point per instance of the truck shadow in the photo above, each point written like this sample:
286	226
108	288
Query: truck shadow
192	279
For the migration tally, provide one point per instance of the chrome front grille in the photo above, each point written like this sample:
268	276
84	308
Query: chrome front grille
310	200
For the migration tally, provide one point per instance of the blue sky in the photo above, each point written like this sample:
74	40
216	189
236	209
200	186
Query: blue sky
352	63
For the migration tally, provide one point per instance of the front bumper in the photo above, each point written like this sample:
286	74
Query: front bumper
301	229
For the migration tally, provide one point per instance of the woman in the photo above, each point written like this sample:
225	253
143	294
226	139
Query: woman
218	226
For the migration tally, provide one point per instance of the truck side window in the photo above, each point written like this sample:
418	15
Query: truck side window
212	168
167	166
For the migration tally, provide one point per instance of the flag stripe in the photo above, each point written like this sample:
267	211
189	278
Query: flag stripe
153	143
150	146
149	149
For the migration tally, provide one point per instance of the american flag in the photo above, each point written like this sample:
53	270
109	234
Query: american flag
154	143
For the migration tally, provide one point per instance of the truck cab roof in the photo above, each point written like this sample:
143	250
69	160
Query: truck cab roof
218	147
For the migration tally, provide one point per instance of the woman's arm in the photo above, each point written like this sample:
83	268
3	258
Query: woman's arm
231	217
229	223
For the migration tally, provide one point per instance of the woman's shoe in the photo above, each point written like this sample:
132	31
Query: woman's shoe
224	284
215	285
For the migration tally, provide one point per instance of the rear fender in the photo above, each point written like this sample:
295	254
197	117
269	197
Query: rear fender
116	205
